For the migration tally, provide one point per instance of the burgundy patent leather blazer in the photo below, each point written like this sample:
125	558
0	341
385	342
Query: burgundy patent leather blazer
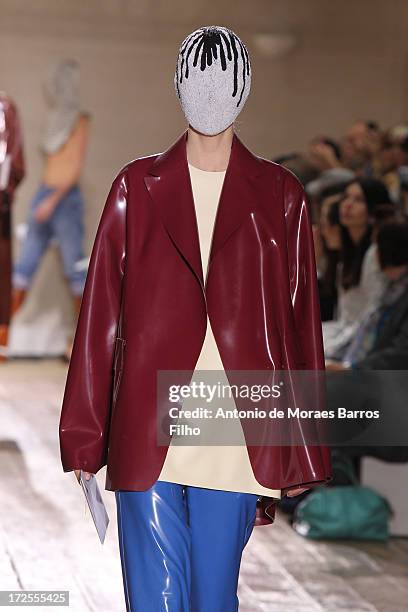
145	302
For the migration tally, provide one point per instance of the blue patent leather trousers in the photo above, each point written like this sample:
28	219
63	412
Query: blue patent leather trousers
181	547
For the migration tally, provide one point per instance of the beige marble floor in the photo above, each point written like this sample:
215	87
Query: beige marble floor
47	538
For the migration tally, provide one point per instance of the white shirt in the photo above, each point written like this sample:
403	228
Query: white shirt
354	304
227	468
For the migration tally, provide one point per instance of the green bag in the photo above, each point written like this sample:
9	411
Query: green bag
352	512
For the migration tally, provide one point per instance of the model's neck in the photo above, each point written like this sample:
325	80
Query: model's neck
209	153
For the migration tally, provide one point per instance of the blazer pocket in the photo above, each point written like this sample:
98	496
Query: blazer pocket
118	365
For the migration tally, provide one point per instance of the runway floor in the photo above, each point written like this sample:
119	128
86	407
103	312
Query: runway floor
48	541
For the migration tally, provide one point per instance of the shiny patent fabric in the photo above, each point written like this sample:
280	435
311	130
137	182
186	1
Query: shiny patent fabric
11	144
12	170
181	547
145	302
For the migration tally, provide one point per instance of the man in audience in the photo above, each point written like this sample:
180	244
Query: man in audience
401	158
360	147
325	155
300	165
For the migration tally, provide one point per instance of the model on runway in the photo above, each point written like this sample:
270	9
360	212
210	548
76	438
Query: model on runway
206	208
56	210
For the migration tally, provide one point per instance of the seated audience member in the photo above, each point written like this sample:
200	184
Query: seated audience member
359	279
327	243
325	155
381	339
388	166
360	148
401	156
299	164
398	132
380	343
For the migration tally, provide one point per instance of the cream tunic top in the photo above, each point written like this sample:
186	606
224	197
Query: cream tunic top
223	467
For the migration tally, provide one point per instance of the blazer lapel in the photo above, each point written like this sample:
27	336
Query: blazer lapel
238	198
168	182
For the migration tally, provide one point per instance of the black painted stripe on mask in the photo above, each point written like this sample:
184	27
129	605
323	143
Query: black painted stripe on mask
200	44
228	48
193	42
207	41
235	52
179	73
243	74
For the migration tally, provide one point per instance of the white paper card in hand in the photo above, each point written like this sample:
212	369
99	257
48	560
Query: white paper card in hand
96	506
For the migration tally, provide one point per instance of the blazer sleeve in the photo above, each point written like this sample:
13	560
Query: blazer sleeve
307	320
303	275
85	414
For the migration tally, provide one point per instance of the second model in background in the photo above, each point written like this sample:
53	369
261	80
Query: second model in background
56	209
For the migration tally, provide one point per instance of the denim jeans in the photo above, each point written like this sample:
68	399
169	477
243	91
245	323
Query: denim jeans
66	226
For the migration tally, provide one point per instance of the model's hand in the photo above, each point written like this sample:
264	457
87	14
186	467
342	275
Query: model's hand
87	475
298	491
44	210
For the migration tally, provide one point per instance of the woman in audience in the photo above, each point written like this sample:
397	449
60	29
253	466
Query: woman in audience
327	243
359	278
381	339
380	343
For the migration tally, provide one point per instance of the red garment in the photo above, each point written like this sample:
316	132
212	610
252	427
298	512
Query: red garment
11	148
260	294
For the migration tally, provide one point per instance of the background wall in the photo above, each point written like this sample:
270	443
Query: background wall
344	60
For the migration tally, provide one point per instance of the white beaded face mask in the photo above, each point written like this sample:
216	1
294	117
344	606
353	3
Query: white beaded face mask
212	78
